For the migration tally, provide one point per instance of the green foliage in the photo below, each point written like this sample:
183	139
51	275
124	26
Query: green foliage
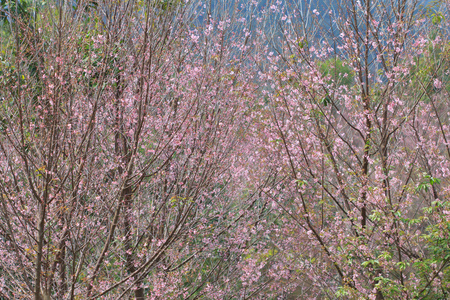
434	270
167	5
339	70
303	43
437	18
326	100
10	9
427	183
433	64
90	5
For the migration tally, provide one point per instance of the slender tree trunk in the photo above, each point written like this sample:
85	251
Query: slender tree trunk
41	226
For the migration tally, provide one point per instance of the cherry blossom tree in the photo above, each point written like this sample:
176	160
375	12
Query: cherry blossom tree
363	163
173	149
121	135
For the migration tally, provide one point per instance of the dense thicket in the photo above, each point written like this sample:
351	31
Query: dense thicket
170	149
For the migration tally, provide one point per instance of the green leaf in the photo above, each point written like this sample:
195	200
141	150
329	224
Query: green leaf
301	182
302	44
437	18
401	265
326	100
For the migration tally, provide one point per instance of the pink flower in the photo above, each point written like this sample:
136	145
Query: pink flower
437	83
